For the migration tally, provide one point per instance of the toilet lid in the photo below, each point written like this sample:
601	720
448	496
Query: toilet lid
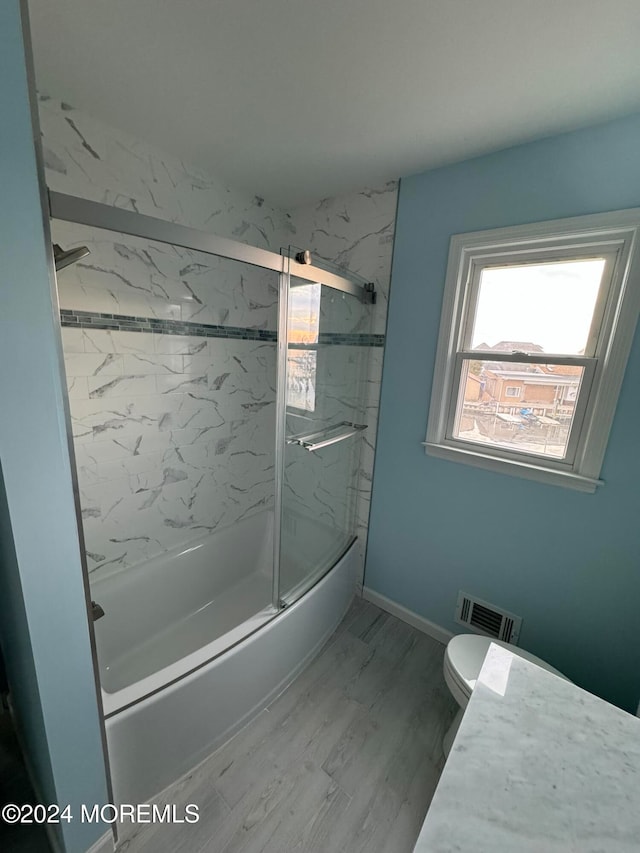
466	653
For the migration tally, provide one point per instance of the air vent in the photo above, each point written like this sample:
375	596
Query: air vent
485	618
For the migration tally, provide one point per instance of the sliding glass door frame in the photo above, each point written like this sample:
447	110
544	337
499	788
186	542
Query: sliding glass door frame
70	208
81	211
281	422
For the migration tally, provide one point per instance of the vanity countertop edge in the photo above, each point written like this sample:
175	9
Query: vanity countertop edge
538	766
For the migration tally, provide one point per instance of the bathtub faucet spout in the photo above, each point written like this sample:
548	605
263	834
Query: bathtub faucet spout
96	611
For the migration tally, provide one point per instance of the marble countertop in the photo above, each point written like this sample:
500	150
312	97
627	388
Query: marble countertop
538	766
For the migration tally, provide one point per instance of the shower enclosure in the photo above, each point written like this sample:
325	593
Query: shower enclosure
216	395
326	374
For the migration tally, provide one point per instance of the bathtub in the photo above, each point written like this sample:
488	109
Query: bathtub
191	648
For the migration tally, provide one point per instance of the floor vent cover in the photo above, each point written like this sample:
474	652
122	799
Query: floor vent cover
485	618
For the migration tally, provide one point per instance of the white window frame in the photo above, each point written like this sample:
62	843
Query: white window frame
515	388
615	236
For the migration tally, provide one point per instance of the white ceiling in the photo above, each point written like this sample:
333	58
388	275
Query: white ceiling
296	100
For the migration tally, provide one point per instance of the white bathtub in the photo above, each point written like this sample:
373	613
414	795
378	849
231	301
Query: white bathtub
191	648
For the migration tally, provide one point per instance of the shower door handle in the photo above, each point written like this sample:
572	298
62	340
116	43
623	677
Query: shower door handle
316	440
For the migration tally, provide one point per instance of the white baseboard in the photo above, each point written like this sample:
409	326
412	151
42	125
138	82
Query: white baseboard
408	616
104	844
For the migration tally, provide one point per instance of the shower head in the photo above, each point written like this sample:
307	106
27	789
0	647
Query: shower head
70	256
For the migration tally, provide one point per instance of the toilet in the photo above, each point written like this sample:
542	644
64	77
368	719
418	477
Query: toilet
463	661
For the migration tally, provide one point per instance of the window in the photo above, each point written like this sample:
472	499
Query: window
536	328
302	341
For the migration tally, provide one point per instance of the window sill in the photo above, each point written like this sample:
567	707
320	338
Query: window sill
530	471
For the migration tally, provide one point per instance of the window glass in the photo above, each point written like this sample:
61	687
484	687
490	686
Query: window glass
302	357
535	420
304	313
537	307
301	379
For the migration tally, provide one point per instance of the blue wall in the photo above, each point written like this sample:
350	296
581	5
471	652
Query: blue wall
44	627
569	563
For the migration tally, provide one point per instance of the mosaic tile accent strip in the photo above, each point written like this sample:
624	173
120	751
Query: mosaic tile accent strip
343	339
125	323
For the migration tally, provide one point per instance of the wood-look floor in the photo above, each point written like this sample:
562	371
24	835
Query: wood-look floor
344	761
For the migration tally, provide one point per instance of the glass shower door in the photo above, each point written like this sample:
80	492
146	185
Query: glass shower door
171	363
327	356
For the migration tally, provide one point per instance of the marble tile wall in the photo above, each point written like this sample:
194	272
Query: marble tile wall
174	437
356	231
88	158
174	433
163	422
142	278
